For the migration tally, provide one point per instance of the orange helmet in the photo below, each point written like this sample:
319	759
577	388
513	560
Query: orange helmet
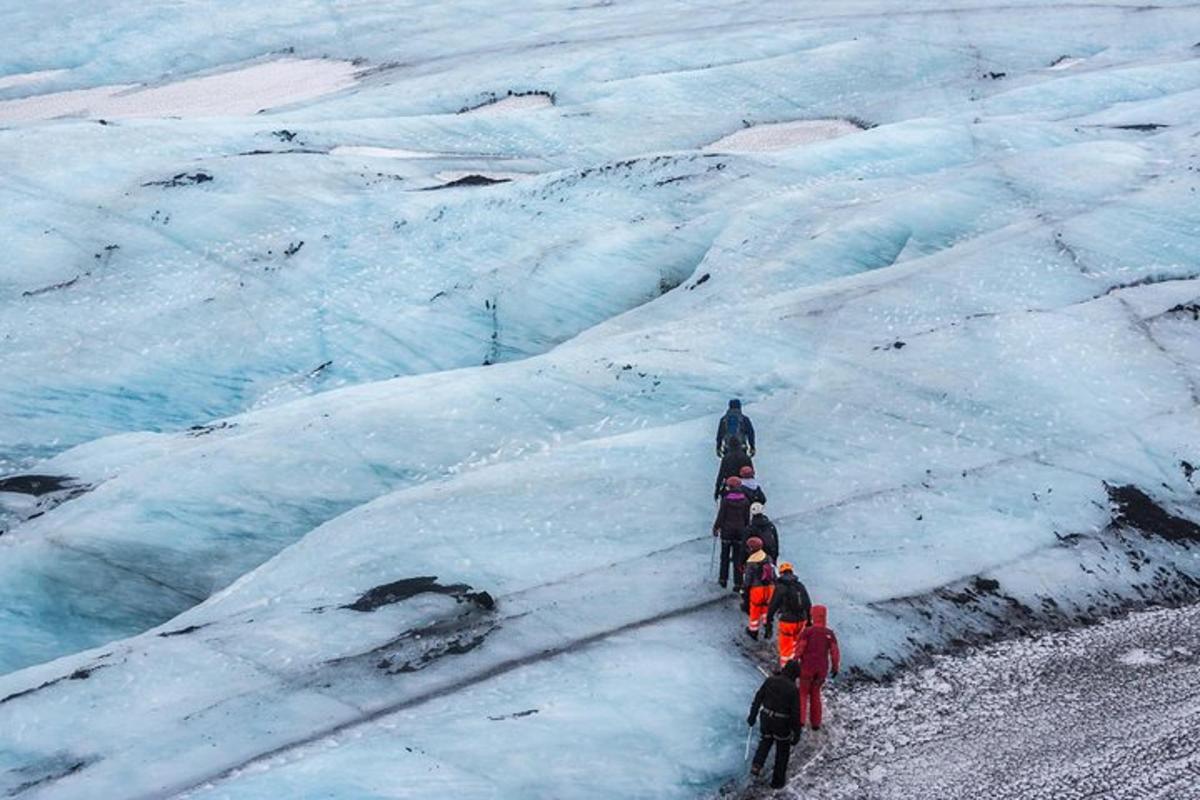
786	566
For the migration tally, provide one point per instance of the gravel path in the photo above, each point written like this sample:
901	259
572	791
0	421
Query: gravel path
1111	711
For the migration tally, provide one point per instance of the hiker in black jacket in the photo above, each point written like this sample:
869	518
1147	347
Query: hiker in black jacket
762	527
731	465
776	706
733	515
734	425
792	604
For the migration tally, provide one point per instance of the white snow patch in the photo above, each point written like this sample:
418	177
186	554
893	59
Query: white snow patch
1140	658
782	135
507	105
26	78
239	91
380	152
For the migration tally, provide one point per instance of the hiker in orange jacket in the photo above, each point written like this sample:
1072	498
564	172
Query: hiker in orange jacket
758	577
817	652
790	601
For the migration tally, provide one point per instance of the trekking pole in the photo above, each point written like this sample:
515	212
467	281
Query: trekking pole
712	558
749	734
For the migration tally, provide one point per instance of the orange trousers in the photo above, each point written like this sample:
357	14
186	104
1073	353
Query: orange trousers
760	599
789	634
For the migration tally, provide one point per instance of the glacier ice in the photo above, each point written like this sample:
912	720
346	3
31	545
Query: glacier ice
287	373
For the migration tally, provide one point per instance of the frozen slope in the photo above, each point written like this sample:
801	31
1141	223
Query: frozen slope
967	333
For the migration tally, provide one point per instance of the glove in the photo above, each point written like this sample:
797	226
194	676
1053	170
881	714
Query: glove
767	630
750	720
833	674
795	738
750	452
745	603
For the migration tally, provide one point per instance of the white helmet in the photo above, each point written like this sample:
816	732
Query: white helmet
756	509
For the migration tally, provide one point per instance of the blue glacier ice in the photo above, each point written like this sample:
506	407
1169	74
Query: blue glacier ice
458	291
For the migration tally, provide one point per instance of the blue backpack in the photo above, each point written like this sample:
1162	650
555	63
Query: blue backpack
733	427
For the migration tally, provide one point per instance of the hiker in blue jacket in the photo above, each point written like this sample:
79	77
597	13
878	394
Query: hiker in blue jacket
735	426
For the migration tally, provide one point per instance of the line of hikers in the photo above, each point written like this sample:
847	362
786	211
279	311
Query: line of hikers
807	647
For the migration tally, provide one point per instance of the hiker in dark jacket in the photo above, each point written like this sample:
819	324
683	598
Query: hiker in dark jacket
734	425
776	706
762	527
751	485
733	515
791	602
731	465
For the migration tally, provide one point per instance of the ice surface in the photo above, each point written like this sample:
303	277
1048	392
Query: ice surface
233	93
288	373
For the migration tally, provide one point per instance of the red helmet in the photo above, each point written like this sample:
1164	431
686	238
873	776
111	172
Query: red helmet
746	472
733	482
754	544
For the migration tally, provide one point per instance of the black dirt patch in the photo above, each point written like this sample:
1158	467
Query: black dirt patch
182	179
51	770
1146	127
1133	508
452	647
515	715
284	135
52	288
403	589
183	631
702	279
302	150
896	345
293	248
37	485
994	76
205	430
467	180
1190	308
81	674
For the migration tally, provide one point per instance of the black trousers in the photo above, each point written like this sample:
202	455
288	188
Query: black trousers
731	556
783	751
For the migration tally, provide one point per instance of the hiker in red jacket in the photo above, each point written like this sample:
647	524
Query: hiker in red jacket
817	652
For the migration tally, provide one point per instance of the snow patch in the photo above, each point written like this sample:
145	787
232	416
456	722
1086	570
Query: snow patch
1140	658
246	90
515	102
782	135
380	152
26	78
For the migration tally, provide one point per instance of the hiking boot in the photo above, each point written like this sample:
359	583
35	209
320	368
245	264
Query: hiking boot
723	584
753	634
755	769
